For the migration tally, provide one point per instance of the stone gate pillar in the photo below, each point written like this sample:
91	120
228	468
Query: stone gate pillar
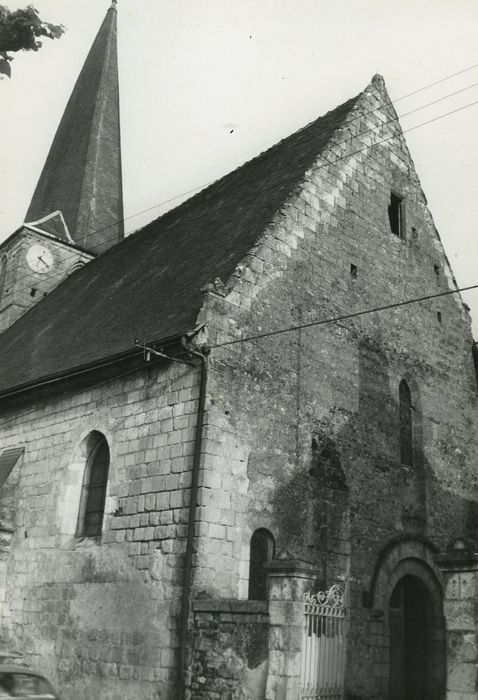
460	573
288	581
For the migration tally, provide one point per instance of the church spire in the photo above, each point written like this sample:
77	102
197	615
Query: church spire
81	177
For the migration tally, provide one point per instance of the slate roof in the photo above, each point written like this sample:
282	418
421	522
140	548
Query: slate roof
149	285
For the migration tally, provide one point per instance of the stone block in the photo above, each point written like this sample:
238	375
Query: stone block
460	614
462	677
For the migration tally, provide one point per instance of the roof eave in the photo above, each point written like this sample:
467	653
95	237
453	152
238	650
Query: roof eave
88	368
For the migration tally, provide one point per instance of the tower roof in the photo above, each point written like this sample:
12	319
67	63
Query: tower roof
81	177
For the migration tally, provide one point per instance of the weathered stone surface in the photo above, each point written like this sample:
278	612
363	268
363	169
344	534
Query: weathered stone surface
99	616
230	651
301	437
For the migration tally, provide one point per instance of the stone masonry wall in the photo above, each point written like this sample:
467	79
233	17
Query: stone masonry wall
307	422
100	617
230	650
300	437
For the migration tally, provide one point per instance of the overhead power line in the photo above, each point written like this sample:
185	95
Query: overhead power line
259	336
437	82
439	99
328	163
341	317
389	103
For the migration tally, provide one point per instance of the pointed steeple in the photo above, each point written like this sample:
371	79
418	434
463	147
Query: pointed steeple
81	177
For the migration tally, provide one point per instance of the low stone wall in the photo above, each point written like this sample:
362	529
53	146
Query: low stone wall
230	650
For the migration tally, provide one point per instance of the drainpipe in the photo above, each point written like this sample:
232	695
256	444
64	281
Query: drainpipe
188	558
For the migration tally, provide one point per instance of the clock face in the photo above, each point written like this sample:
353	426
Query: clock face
39	258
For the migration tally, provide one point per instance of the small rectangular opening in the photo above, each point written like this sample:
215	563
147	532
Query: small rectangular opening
439	316
395	214
353	271
474	350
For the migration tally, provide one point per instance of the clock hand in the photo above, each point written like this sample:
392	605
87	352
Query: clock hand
43	261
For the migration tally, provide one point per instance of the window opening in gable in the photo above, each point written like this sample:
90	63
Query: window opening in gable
395	215
474	350
261	551
406	424
93	497
353	271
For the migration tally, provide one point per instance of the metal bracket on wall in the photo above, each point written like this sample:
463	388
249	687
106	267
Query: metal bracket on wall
148	351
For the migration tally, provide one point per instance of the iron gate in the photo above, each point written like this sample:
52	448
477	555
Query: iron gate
323	645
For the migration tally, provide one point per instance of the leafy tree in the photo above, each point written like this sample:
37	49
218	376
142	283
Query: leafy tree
21	31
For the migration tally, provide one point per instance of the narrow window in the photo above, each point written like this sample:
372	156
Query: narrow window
406	424
262	551
474	350
395	214
92	504
353	271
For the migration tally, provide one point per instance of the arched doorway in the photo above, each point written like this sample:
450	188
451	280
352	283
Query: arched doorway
413	653
407	586
409	616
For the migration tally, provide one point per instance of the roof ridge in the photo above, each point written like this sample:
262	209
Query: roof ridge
249	162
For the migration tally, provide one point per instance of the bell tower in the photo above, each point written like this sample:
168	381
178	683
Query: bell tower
76	212
80	187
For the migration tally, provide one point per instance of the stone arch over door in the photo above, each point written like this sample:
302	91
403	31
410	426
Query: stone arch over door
409	565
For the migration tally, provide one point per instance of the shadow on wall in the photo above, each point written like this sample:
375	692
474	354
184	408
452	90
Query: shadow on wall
353	472
365	480
371	465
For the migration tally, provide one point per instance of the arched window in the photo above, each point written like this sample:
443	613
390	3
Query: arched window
406	423
95	479
262	551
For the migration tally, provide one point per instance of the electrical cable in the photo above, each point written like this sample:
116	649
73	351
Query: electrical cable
327	163
342	317
29	411
260	336
441	80
361	116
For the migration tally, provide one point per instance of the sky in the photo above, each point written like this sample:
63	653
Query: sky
207	84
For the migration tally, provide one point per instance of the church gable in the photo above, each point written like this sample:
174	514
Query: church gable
349	171
361	196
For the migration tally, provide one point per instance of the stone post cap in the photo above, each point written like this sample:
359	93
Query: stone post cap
296	568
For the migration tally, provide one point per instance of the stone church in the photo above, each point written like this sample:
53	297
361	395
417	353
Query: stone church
234	464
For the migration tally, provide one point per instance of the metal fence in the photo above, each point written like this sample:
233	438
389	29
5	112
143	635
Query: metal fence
323	646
